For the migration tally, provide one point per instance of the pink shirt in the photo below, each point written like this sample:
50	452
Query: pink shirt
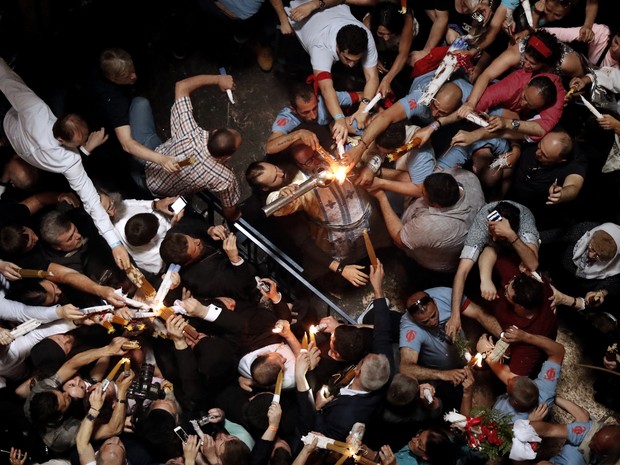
595	48
507	94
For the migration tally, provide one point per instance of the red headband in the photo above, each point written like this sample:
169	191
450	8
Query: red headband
539	46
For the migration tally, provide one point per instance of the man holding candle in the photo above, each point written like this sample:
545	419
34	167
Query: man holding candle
331	35
359	400
47	405
427	353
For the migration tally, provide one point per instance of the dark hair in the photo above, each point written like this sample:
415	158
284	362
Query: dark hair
264	371
281	456
141	228
441	189
27	291
524	394
173	249
387	14
551	42
349	343
221	143
403	390
528	291
13	240
252	172
439	447
300	90
64	128
546	89
44	409
511	213
255	411
393	136
236	452
352	39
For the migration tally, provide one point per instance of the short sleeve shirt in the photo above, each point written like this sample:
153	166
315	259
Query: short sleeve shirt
190	140
287	120
546	381
478	236
432	344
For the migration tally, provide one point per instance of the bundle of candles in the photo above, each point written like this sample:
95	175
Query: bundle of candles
476	360
25	327
345	449
403	149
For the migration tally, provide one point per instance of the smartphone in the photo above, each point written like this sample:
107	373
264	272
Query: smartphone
262	285
180	432
494	216
178	205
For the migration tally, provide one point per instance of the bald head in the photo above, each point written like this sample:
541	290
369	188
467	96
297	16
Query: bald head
606	441
447	100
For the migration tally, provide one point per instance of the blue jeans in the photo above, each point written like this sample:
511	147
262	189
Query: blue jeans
144	131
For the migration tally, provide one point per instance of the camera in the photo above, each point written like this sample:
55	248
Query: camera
144	388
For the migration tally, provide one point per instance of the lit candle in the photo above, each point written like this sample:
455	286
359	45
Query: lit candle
313	330
138	279
370	249
304	341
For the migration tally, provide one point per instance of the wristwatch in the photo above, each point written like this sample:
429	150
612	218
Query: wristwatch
321	4
365	100
515	123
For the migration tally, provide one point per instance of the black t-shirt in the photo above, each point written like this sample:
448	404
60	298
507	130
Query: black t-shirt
531	183
108	102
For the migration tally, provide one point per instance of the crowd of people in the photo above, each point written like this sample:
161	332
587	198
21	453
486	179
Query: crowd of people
479	140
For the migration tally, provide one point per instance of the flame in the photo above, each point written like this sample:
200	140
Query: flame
340	173
476	361
314	329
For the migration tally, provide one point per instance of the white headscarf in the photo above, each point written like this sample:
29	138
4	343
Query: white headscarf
597	269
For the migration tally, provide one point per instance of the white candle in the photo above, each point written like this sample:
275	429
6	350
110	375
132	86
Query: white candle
590	107
373	102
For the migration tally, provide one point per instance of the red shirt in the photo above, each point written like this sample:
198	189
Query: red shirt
507	94
525	359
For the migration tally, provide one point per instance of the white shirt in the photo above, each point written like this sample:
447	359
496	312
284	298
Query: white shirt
288	380
146	256
28	126
12	357
318	32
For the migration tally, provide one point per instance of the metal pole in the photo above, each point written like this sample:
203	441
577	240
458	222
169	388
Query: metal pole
321	179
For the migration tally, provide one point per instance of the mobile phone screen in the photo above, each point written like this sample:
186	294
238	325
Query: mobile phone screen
178	205
180	432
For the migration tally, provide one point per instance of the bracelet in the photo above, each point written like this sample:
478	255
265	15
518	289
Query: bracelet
574	304
339	116
365	100
340	268
93	408
514	240
272	428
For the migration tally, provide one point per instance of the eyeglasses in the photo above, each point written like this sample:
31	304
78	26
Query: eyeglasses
420	304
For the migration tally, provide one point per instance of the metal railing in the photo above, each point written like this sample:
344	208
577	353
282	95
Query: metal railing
274	257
